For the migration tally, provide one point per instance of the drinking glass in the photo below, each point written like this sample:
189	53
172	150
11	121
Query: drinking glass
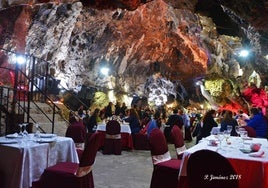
226	135
20	125
243	135
24	131
220	138
37	132
238	129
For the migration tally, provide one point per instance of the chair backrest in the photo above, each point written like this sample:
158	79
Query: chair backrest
157	141
177	137
113	127
92	145
77	132
250	130
158	146
206	168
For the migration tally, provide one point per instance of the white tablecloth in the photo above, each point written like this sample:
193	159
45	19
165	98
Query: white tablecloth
124	128
242	162
24	162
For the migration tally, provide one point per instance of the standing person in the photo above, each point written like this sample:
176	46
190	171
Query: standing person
133	120
228	119
208	124
186	123
117	110
109	110
93	121
173	119
258	122
123	109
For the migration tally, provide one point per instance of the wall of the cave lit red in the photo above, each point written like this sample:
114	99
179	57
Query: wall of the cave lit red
257	97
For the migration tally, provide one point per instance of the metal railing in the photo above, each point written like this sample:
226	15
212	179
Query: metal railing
17	96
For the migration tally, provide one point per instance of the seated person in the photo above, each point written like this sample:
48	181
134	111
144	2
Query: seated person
258	122
133	120
154	123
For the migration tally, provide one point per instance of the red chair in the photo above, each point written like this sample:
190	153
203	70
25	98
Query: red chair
77	132
166	170
178	141
140	141
204	164
70	175
113	141
250	130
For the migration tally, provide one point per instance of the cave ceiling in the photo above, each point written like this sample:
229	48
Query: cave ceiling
144	43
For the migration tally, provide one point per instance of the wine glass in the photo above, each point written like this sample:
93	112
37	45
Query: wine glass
221	137
243	135
37	132
238	129
20	125
25	130
226	135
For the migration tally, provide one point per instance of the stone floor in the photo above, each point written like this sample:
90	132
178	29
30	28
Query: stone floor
132	169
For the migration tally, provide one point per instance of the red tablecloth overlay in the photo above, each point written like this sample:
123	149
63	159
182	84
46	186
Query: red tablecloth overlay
127	143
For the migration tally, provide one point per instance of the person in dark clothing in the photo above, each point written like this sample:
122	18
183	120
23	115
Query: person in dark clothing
228	120
109	110
174	119
208	124
123	109
117	110
92	121
80	111
133	120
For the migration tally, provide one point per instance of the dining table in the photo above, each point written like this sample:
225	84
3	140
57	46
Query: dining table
25	157
251	166
127	141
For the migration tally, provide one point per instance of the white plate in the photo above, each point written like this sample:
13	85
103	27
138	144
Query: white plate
15	135
46	140
47	135
8	142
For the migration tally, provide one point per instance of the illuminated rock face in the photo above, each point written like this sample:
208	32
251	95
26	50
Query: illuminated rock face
148	37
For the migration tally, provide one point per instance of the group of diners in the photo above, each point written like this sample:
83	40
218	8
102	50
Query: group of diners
256	119
193	123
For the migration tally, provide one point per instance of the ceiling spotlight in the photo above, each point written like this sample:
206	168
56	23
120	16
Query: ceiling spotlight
20	59
105	71
244	53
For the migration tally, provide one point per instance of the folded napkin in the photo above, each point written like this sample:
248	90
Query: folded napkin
256	154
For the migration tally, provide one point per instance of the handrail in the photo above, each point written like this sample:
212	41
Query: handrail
36	66
81	102
22	108
66	90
